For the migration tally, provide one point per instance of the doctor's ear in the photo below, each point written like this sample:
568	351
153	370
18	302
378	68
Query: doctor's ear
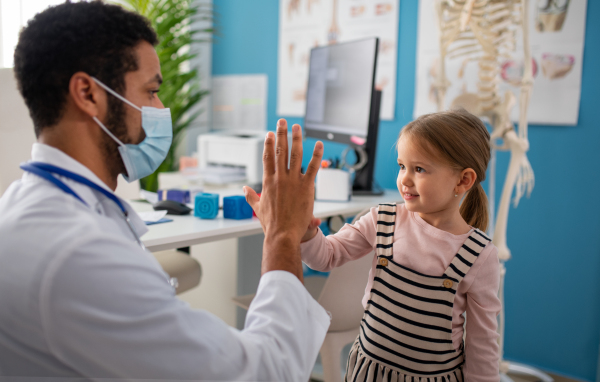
87	96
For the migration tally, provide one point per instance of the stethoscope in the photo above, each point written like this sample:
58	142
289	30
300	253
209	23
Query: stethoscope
45	171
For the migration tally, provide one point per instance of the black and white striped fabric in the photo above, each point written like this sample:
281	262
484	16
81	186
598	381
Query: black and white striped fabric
406	330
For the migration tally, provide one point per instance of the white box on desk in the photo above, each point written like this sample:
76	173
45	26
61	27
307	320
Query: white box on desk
233	148
333	185
236	148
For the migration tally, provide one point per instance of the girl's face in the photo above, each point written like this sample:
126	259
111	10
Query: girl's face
427	185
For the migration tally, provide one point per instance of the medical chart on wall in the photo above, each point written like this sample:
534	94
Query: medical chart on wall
305	24
556	34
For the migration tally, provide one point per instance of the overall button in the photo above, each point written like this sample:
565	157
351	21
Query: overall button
448	283
383	262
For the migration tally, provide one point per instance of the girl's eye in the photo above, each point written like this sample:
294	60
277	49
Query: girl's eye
154	92
401	167
420	169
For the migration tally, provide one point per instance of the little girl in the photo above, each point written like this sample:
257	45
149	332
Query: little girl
432	261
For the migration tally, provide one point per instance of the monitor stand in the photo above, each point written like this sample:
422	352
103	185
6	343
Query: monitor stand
363	182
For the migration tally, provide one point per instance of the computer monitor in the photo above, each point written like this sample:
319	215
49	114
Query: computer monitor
342	104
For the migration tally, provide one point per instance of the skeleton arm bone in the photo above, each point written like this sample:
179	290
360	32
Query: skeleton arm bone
517	153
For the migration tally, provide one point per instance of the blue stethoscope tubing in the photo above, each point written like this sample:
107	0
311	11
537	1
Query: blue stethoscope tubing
45	171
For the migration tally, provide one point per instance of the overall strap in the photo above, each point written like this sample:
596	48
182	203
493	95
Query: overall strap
386	221
466	256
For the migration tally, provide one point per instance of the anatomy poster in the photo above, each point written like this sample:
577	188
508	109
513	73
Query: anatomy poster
556	35
304	24
239	102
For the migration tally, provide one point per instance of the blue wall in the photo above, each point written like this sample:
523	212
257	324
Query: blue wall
552	287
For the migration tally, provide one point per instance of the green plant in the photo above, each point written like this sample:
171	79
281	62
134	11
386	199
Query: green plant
175	23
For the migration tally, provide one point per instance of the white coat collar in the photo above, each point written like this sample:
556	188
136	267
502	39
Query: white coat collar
47	154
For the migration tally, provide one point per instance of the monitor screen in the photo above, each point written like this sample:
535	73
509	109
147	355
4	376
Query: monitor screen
340	87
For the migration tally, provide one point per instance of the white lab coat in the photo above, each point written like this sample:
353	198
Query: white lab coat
79	297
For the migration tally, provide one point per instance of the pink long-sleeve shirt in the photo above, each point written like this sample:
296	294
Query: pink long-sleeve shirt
428	250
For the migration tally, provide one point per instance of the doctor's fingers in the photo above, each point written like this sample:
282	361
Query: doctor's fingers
252	198
315	163
281	148
269	156
296	152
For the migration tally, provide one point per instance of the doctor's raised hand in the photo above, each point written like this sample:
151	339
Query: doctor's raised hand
285	206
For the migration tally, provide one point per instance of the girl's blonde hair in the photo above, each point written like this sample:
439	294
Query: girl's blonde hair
460	139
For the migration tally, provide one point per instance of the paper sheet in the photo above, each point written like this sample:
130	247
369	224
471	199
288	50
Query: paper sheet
152	216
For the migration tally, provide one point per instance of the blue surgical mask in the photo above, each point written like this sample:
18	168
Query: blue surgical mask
143	159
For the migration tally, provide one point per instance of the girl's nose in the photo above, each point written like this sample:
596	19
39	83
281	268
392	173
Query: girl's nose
406	179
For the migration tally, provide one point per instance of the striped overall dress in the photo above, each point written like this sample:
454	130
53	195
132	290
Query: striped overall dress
406	330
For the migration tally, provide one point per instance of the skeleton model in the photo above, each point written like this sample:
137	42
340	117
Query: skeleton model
484	31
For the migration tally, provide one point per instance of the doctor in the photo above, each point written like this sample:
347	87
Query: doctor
80	296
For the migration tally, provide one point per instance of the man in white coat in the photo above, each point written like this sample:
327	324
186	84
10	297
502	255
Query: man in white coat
80	297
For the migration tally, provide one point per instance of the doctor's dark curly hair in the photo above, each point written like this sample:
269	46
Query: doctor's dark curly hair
92	37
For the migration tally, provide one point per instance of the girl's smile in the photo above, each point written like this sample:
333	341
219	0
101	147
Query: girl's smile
408	197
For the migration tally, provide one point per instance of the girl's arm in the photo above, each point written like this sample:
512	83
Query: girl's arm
352	242
483	306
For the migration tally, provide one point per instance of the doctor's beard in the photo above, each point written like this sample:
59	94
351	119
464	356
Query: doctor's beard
115	123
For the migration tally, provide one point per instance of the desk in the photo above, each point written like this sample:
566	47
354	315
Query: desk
230	269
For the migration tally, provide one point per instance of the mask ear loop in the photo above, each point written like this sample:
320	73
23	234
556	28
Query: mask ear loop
115	94
108	131
125	160
119	97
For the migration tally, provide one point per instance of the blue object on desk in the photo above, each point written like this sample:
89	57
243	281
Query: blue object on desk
181	196
206	206
236	207
163	220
